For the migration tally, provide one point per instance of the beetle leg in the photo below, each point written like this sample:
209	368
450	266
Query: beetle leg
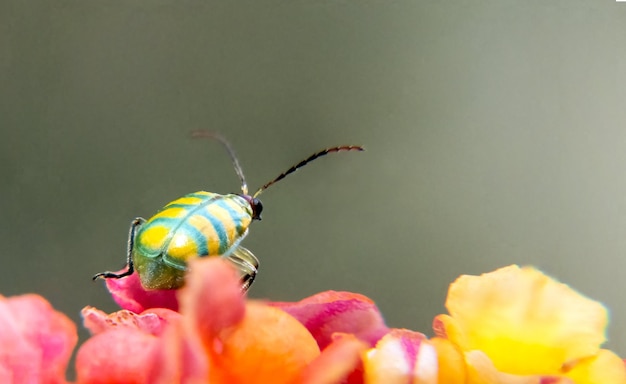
247	280
130	268
246	263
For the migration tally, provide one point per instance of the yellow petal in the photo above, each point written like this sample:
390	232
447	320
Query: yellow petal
482	371
526	322
605	367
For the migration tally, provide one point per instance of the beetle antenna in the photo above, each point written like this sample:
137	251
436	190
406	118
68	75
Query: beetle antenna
197	134
304	162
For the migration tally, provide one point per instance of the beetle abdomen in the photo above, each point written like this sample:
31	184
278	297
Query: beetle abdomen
195	225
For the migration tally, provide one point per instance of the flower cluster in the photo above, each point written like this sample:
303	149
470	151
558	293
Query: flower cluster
513	325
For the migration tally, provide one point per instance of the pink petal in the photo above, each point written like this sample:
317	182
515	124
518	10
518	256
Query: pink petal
117	356
328	312
210	302
211	299
179	358
152	321
35	341
129	294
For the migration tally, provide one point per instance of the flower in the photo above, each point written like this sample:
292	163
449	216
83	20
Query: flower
36	341
519	325
512	326
218	337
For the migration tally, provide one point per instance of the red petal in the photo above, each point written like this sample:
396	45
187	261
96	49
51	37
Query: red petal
337	362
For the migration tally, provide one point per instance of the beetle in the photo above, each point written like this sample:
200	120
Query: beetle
200	224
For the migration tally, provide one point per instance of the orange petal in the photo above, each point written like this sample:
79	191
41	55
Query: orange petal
267	346
450	360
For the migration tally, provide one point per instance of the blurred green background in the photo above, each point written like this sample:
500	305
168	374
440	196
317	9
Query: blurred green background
495	134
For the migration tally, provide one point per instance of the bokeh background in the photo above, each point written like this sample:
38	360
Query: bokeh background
495	134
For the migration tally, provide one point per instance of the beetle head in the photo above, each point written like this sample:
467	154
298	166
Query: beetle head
256	205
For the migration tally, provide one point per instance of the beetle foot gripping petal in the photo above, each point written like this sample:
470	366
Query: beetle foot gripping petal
129	294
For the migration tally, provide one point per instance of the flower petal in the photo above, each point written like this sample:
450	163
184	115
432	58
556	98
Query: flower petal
524	321
401	356
481	370
337	362
267	346
211	299
35	340
328	312
117	356
151	321
450	361
605	367
129	294
179	357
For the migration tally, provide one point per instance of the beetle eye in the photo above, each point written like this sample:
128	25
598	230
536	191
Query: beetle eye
257	208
